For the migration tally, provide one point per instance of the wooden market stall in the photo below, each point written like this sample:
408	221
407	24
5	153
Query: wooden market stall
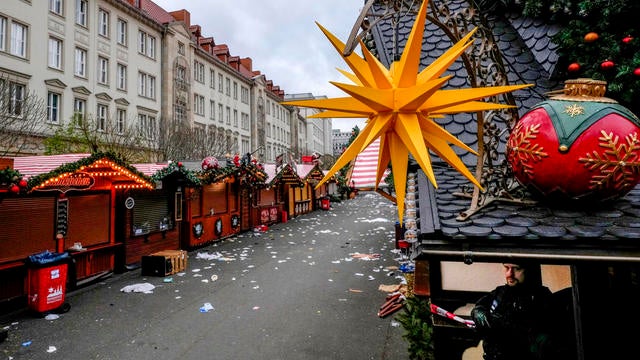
311	174
276	202
151	221
68	203
219	206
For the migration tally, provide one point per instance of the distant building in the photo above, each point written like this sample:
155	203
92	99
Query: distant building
340	141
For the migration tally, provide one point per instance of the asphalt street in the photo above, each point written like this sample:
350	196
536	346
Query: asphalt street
300	290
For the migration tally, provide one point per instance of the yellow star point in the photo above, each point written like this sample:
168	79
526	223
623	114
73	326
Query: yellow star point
400	104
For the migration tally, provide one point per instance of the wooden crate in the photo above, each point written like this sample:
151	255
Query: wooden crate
163	263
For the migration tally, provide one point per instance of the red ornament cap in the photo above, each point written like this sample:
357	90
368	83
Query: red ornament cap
607	65
573	67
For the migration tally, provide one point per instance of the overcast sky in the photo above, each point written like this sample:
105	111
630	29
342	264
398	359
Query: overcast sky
282	39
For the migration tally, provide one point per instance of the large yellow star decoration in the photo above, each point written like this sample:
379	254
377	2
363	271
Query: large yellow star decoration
400	104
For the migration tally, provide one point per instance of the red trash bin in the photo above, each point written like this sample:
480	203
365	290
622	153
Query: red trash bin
285	216
47	284
325	203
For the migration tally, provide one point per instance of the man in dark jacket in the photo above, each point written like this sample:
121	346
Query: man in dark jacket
512	319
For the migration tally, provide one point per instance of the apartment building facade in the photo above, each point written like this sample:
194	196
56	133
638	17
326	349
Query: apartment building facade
130	64
81	57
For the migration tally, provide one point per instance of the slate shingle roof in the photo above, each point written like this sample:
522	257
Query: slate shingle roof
529	56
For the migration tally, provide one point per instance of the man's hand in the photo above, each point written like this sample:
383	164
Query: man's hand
480	317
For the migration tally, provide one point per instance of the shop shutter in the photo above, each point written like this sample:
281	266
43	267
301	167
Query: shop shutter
151	213
28	227
89	220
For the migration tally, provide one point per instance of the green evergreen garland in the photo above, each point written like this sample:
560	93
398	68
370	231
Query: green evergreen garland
418	325
618	41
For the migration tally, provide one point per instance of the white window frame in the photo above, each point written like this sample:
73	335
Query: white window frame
102	111
3	33
103	23
80	68
220	112
17	92
54	100
55	53
220	83
198	104
121	120
121	77
56	6
212	78
212	110
79	110
82	8
103	70
19	39
228	115
123	31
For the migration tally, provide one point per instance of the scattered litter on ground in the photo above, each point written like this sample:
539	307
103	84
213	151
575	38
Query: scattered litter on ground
51	349
26	343
214	277
256	307
168	280
51	317
142	287
355	290
206	307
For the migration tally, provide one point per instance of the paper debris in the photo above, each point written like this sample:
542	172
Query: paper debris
145	288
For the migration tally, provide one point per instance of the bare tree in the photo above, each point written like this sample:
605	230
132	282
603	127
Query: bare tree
117	134
180	141
22	116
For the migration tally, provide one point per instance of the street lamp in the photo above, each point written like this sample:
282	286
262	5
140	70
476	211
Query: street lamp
247	158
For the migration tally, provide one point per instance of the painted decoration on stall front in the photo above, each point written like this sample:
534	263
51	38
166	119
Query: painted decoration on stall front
264	216
218	227
198	229
235	221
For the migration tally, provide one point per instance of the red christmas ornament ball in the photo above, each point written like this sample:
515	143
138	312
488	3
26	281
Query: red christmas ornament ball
22	183
571	149
607	65
14	189
573	67
636	72
627	39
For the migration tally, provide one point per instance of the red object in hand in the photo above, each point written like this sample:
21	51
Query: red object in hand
627	39
573	67
607	65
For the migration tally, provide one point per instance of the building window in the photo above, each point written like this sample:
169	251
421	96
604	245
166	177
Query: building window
220	113
220	80
244	95
212	110
228	115
81	63
53	107
146	85
235	90
235	118
101	117
79	111
147	126
244	119
103	70
16	94
198	71
55	53
81	12
19	34
180	48
55	6
198	104
146	44
3	33
103	23
228	82
122	77
121	120
122	32
212	79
